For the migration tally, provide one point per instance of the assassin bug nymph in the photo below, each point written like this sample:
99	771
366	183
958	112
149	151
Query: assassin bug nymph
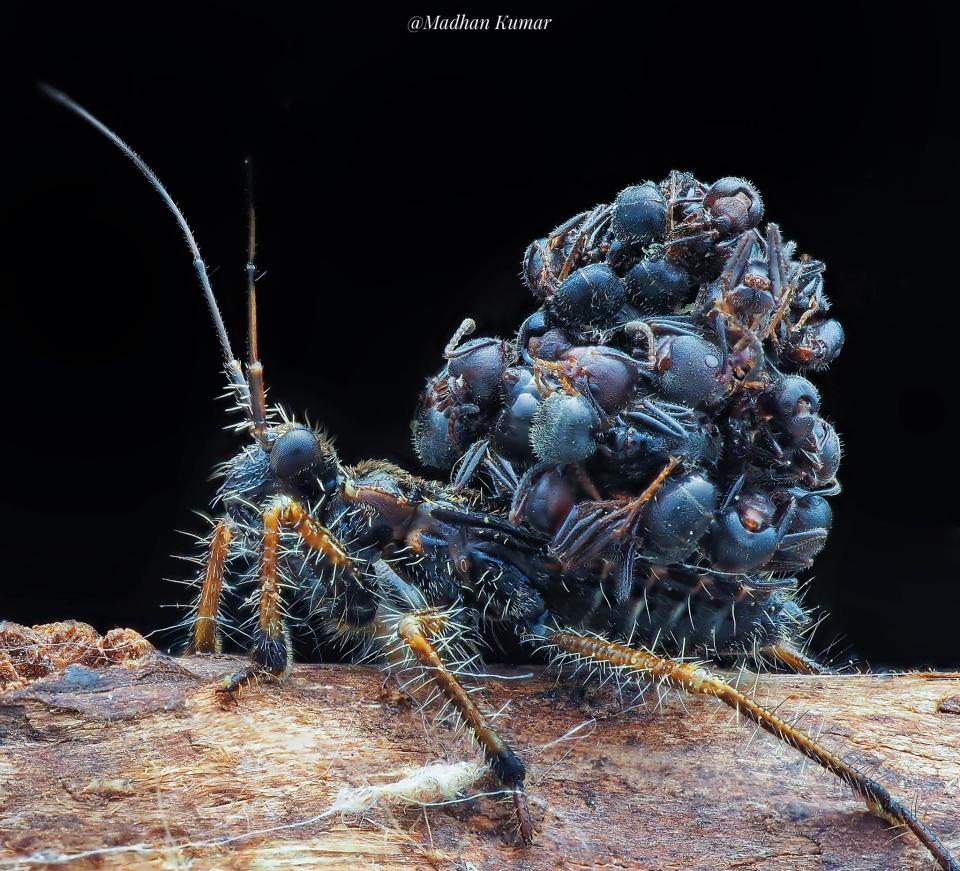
410	569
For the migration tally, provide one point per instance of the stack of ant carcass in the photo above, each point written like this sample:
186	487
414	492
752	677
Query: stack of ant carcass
651	419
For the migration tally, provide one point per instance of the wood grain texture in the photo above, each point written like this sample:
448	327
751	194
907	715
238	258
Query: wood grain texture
102	759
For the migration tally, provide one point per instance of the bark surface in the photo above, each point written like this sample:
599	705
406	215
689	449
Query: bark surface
138	765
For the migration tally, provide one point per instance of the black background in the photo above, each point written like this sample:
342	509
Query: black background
399	177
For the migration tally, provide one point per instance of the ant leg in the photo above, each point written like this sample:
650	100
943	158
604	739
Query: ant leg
592	528
502	477
204	636
415	630
783	290
776	266
272	654
795	659
466	467
658	420
502	473
671	326
737	264
694	678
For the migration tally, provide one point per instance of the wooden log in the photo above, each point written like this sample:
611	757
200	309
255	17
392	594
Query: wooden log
138	765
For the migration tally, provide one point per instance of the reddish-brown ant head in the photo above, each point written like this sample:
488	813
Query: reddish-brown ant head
734	204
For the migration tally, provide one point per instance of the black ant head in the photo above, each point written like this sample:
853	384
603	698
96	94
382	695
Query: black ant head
752	296
793	403
658	285
479	365
746	531
679	517
591	295
690	371
639	215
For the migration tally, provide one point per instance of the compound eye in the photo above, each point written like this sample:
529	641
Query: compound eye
294	452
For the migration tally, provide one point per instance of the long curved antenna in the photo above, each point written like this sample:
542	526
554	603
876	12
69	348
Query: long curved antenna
234	372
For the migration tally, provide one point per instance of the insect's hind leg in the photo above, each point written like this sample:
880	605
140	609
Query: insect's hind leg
795	659
205	632
695	679
417	632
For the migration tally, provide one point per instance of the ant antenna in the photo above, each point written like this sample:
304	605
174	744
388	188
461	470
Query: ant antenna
232	364
258	398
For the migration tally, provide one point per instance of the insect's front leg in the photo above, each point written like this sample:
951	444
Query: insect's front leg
271	652
205	632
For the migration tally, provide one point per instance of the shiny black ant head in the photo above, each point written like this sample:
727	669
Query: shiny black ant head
564	429
299	451
657	286
690	371
807	533
742	538
593	294
552	345
639	215
480	364
793	403
744	535
679	517
541	261
634	452
734	205
607	374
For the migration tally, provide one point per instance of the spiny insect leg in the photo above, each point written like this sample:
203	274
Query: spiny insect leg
795	659
205	635
272	652
695	679
414	630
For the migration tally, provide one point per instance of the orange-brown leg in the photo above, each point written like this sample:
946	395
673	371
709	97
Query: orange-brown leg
205	634
272	653
796	660
415	631
695	679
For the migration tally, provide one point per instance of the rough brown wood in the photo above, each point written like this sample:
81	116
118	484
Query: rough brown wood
98	759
